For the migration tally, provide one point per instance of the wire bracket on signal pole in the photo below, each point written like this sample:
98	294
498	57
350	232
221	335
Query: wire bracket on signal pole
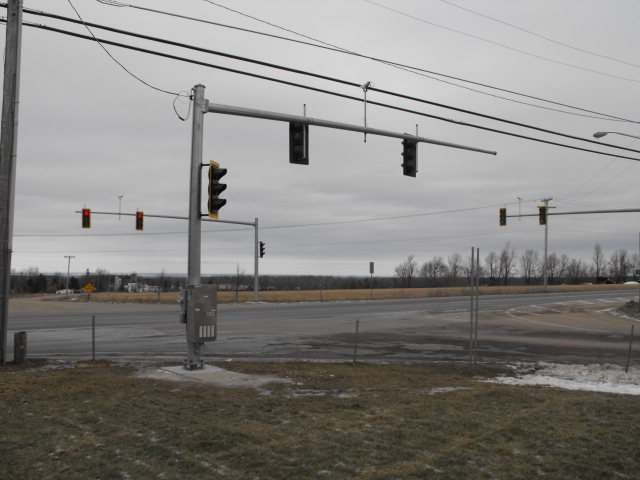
365	87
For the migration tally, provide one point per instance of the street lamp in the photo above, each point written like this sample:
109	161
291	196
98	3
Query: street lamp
602	134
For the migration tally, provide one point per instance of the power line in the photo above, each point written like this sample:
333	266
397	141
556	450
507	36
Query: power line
340	95
332	79
538	35
115	60
492	42
411	69
608	181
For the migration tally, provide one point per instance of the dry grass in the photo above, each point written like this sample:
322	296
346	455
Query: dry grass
341	295
333	421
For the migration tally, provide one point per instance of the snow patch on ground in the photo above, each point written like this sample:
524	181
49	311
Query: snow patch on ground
594	378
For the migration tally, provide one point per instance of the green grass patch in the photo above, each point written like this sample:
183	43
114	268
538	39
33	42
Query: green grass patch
337	421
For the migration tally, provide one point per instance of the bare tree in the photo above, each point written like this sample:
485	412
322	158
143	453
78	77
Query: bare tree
563	264
432	270
506	259
454	266
101	279
619	265
552	266
577	271
598	260
407	271
529	260
238	279
491	261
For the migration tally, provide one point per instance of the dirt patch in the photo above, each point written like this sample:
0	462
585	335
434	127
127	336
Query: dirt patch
630	309
57	303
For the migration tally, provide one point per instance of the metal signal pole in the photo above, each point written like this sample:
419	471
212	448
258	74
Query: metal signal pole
194	347
545	267
8	152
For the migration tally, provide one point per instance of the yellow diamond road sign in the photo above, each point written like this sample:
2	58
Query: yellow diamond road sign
89	288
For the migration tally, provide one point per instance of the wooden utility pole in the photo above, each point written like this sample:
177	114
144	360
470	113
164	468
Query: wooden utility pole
8	149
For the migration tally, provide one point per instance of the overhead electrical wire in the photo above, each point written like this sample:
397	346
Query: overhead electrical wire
273	246
116	60
538	35
319	76
354	98
409	68
607	182
492	42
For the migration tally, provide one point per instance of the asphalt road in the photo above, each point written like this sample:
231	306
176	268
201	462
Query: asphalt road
560	327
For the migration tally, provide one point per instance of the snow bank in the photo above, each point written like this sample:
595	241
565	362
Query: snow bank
595	378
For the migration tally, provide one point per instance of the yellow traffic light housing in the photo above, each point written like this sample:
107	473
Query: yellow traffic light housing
542	214
215	203
139	220
503	217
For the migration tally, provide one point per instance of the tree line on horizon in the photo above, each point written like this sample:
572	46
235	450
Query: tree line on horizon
507	267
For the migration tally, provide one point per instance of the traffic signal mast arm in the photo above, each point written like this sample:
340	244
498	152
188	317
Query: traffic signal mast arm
283	117
549	212
146	215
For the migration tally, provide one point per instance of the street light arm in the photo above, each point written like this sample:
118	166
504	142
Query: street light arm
602	134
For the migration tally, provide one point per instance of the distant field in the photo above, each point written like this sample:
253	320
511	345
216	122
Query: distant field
337	295
334	421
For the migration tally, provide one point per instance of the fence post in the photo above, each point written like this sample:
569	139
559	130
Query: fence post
355	342
93	338
626	369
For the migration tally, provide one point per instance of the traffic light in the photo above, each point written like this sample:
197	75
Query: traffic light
86	218
216	188
410	157
139	220
503	217
542	214
261	249
299	143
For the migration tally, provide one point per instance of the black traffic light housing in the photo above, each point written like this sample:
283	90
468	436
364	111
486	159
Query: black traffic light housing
503	217
261	249
542	214
410	157
215	203
86	218
299	143
139	220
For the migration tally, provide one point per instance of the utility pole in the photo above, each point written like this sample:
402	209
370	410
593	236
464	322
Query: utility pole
69	257
545	267
8	152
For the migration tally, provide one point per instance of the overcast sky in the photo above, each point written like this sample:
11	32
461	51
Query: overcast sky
89	132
